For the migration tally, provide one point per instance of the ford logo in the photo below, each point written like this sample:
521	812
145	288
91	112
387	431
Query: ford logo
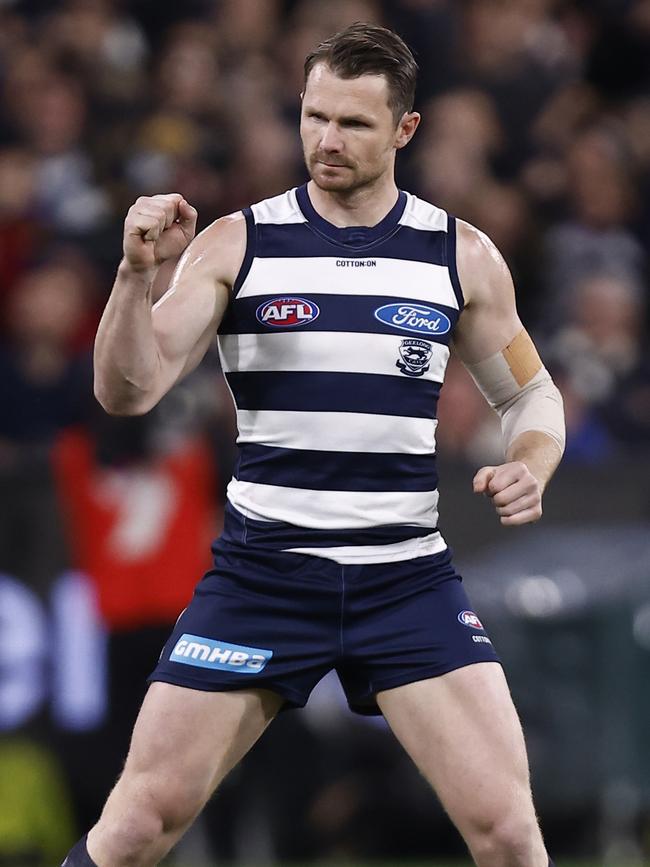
417	318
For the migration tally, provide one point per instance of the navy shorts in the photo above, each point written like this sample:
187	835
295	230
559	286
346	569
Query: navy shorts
278	621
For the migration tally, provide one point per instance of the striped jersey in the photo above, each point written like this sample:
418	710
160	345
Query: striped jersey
334	347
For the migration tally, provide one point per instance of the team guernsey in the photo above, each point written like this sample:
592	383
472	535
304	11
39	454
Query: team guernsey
334	347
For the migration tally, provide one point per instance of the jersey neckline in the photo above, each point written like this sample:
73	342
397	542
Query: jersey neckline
351	236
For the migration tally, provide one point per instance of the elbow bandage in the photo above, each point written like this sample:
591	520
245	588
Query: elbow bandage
519	388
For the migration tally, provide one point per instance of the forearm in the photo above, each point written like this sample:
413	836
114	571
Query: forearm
539	452
518	387
126	358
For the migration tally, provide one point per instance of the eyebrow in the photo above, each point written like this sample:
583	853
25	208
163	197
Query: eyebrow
351	118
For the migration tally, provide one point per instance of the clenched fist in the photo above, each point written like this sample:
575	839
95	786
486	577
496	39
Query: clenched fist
514	490
157	228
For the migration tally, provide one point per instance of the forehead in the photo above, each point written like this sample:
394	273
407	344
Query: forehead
328	92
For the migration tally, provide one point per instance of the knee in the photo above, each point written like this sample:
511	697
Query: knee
143	818
510	841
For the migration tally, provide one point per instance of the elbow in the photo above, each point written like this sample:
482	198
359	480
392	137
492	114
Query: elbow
121	404
539	409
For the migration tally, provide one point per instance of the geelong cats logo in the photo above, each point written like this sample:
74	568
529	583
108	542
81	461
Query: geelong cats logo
287	312
415	356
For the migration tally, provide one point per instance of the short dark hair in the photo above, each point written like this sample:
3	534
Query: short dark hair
368	49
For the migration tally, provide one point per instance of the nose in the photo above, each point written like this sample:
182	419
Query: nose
331	139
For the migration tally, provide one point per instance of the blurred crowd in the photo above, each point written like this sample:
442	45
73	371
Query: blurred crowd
536	129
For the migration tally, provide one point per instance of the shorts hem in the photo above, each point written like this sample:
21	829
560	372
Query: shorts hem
293	700
371	708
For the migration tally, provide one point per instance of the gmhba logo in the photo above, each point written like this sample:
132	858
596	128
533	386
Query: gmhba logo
207	653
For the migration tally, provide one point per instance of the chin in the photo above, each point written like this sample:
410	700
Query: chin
332	185
334	182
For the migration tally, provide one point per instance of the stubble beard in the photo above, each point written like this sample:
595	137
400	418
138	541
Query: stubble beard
348	181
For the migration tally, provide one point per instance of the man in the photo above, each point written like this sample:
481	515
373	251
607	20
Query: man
335	304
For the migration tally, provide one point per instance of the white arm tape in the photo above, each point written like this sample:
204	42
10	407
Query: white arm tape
535	406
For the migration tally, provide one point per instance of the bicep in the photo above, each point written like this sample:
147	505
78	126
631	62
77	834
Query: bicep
185	321
490	338
489	321
186	318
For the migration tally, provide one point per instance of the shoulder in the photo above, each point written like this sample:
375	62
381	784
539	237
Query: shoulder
228	229
218	250
419	214
482	270
278	209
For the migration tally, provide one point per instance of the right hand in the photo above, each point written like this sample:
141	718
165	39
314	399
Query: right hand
157	228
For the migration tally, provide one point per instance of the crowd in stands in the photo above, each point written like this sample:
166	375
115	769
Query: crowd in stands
536	129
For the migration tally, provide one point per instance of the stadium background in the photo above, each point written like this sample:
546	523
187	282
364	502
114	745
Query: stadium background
537	129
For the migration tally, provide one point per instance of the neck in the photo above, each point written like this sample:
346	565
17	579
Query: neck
365	206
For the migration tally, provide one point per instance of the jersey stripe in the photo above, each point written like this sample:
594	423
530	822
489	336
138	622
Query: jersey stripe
278	209
337	431
243	529
301	239
335	471
422	546
322	510
339	313
338	275
335	392
300	350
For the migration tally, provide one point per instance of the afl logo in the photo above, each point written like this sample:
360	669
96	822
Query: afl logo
468	618
417	318
287	312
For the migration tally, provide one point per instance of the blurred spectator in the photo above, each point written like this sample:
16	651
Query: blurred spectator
50	115
246	27
600	340
45	386
101	42
597	349
20	232
44	373
597	237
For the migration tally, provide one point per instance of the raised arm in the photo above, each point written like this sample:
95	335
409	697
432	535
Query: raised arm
142	350
498	352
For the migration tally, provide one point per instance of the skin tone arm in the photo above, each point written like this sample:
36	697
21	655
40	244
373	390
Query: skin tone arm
487	325
141	350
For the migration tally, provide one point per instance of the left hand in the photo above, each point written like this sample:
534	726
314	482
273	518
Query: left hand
514	490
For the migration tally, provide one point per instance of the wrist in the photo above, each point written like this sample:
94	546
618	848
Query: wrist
539	452
128	272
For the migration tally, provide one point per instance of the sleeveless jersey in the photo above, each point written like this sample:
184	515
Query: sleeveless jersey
334	347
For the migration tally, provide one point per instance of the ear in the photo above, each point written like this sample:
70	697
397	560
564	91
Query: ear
406	128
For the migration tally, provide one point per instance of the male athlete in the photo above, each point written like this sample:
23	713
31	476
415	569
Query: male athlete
334	306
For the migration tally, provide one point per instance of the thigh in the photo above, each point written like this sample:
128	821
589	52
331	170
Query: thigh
462	731
184	743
